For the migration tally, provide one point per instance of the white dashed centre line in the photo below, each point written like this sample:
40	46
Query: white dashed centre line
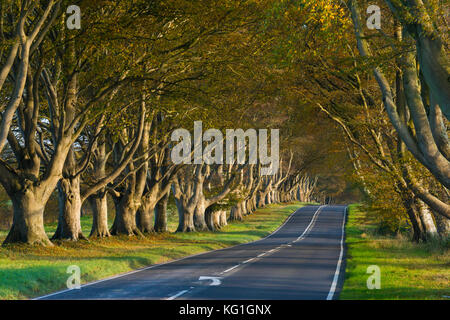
301	237
247	261
177	295
228	270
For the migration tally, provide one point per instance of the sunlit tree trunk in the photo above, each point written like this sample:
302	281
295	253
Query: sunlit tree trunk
28	219
69	223
99	206
427	220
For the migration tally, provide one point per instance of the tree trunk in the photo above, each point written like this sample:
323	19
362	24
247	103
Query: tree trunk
28	219
212	219
251	205
413	214
144	216
442	225
216	220
261	199
223	218
161	214
244	207
236	212
125	220
186	218
268	198
69	224
427	220
99	206
199	215
275	197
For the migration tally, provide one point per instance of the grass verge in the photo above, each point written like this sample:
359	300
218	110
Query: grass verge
27	271
408	270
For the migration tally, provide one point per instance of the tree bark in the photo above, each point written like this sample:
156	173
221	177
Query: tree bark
161	214
442	225
199	215
145	217
28	219
213	219
427	220
185	218
99	206
69	223
413	214
125	221
261	199
236	213
223	218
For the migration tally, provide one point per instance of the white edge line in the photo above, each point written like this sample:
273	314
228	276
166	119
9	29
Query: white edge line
164	263
338	266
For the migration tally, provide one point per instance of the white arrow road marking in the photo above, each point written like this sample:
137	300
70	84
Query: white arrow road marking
215	280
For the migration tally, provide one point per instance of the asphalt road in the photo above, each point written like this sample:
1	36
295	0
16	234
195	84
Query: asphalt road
303	259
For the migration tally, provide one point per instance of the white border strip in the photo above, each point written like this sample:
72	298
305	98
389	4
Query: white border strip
338	266
164	263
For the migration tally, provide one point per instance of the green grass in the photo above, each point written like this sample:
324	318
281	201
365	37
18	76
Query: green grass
408	270
30	271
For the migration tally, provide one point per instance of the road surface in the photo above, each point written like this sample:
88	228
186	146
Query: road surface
303	259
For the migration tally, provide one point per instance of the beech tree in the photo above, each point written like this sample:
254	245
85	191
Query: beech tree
429	143
28	187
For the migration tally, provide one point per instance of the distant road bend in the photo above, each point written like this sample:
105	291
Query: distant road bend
303	259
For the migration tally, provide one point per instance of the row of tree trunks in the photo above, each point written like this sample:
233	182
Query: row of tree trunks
216	219
155	218
192	204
